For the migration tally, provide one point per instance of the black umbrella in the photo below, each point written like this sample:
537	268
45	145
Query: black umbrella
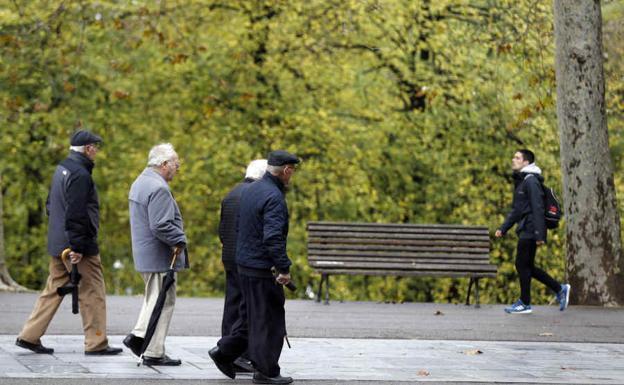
160	302
72	286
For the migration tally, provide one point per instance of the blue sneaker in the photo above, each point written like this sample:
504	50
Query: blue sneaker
563	297
518	307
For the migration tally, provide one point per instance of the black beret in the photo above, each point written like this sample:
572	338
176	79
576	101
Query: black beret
281	157
83	137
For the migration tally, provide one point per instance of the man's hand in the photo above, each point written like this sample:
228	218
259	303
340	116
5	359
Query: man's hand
539	243
74	257
283	279
498	234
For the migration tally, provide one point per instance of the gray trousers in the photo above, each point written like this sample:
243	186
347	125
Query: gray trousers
153	285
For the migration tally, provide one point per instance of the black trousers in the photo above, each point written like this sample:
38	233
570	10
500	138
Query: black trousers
233	298
262	326
234	330
525	266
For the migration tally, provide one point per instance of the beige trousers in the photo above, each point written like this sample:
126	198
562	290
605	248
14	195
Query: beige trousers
92	301
153	285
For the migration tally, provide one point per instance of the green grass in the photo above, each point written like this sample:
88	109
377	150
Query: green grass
612	10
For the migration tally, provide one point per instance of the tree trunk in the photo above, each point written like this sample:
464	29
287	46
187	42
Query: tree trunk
6	282
595	264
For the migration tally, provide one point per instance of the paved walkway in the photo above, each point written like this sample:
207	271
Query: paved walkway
344	360
362	342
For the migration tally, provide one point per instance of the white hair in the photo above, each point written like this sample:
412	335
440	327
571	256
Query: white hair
275	170
160	153
256	169
80	149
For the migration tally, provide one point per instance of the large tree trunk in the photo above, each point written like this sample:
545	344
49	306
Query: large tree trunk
595	264
6	282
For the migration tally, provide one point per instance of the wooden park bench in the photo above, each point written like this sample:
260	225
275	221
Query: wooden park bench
400	250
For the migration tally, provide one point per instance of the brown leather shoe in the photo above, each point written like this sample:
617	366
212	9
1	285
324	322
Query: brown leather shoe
109	351
37	348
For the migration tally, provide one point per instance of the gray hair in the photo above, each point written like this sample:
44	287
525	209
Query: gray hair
256	169
80	149
159	154
275	170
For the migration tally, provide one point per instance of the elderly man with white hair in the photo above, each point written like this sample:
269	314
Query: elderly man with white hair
228	234
157	230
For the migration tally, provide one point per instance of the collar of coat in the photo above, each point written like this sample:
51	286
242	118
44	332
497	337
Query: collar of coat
150	172
275	180
81	159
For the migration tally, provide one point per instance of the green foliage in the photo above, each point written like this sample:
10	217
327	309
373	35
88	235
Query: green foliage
403	111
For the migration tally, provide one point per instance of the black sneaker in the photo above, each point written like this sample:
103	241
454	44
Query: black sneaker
37	348
134	343
259	378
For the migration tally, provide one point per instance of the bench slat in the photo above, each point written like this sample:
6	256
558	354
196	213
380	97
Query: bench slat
378	242
414	252
395	225
377	246
394	236
401	266
382	230
484	260
404	273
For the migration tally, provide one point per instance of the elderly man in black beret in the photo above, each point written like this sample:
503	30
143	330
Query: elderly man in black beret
73	221
261	247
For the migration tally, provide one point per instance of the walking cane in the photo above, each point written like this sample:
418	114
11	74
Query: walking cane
74	279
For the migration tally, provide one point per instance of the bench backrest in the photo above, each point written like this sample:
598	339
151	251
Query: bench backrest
399	249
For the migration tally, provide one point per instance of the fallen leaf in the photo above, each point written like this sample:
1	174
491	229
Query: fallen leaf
472	352
438	312
423	373
546	334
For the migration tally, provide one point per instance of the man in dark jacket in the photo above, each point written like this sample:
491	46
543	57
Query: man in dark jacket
261	246
73	212
528	213
227	234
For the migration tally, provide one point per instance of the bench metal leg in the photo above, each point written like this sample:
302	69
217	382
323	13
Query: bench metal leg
320	289
327	289
469	288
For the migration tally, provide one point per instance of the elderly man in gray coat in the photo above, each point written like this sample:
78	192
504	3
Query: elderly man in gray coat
157	229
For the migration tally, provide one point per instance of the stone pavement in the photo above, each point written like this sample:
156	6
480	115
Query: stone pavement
343	360
353	342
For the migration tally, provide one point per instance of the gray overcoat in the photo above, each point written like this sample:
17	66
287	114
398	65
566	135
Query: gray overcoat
155	224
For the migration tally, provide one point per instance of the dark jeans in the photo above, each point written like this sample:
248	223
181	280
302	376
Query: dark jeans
525	266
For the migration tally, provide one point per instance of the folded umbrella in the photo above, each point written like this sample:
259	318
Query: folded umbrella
160	302
74	279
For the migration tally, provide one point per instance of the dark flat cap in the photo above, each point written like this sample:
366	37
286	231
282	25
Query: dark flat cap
281	157
83	137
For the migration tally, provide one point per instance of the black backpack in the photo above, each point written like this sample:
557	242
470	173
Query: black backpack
552	208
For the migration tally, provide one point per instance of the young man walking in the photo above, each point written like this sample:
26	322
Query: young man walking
528	213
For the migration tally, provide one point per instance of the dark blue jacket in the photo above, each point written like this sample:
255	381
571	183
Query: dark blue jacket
73	208
527	207
263	226
229	223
